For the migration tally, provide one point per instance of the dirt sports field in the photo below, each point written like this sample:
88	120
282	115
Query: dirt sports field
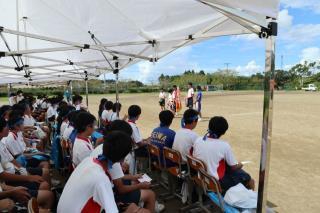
294	183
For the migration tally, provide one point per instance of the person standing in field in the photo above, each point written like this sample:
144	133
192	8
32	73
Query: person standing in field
178	100
174	99
162	99
198	101
170	102
190	95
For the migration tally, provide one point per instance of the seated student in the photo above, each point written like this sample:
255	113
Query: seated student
5	111
102	107
17	144
116	107
52	110
219	158
62	120
163	136
77	102
106	114
185	137
82	146
126	188
28	185
83	193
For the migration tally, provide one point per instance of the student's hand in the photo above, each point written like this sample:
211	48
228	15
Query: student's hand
137	176
35	178
144	185
20	194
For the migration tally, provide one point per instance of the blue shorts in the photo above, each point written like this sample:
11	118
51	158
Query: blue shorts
130	197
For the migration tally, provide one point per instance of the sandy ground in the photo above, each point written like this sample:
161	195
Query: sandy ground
294	181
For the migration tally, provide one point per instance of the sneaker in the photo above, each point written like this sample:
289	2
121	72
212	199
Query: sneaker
33	206
159	207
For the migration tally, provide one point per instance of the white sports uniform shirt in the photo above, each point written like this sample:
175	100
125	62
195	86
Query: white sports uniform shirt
116	171
106	115
82	148
88	190
12	100
114	117
183	141
136	136
51	112
67	132
15	143
28	120
6	158
190	93
63	127
162	95
215	153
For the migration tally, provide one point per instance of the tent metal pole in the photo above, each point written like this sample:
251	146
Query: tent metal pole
117	92
18	27
71	88
267	124
87	96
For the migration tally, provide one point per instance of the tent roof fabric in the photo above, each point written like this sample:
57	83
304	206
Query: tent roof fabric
59	46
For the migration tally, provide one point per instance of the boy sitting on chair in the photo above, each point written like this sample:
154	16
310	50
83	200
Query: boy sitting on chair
219	158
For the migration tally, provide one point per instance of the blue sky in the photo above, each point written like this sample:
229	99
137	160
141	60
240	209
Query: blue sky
298	40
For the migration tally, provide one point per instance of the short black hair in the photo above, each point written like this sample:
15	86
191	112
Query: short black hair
18	109
119	125
190	83
134	111
3	124
170	91
109	105
14	117
174	86
199	87
76	98
117	146
102	106
116	106
218	125
19	92
4	109
190	115
166	117
83	119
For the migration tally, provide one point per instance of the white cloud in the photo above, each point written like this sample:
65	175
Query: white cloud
251	68
301	33
303	4
310	54
284	19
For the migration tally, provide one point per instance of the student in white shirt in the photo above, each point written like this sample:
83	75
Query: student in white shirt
126	192
190	96
116	108
82	146
162	99
77	102
30	185
219	158
12	99
82	192
185	137
20	96
52	113
106	114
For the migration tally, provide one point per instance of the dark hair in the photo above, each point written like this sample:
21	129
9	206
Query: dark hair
218	125
199	87
19	92
190	115
166	117
116	106
4	109
174	86
12	94
3	124
102	106
18	109
109	105
76	98
134	111
190	83
117	146
72	116
14	117
83	119
170	91
119	125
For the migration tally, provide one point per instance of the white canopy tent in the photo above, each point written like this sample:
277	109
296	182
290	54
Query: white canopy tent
51	40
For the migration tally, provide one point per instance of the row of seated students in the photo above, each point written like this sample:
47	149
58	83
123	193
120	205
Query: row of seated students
24	167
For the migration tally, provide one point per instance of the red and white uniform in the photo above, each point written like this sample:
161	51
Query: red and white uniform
88	190
82	148
215	153
15	143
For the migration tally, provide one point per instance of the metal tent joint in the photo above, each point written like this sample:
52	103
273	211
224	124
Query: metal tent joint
272	30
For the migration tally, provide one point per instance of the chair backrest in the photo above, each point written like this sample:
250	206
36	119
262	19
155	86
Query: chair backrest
175	157
154	152
194	166
209	182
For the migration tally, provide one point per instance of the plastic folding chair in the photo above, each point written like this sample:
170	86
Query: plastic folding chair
213	190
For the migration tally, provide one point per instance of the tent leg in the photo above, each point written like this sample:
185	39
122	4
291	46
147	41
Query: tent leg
117	91
87	98
267	124
71	88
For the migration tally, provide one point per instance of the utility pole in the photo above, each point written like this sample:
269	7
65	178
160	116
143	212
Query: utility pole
227	64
